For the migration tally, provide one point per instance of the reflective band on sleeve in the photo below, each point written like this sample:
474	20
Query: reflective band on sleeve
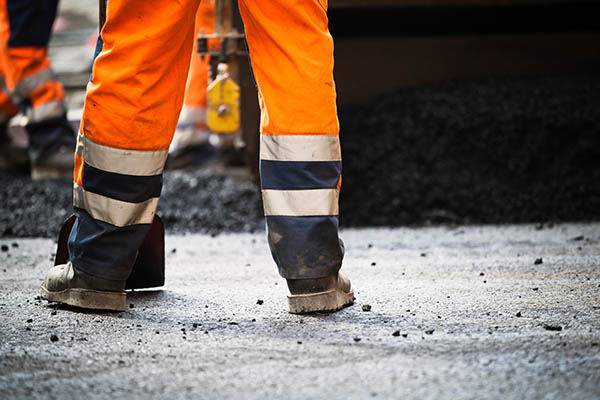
32	82
121	161
114	212
51	109
298	203
300	148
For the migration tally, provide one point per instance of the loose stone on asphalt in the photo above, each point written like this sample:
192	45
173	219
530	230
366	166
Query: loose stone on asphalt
142	353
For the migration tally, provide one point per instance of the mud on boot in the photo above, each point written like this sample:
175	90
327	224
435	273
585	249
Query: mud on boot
65	284
319	295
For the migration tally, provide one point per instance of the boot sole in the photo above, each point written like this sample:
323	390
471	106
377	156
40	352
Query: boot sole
87	298
330	301
39	173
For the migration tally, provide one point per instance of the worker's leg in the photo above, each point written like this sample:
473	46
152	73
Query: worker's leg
194	101
300	161
131	109
26	27
7	107
12	158
190	143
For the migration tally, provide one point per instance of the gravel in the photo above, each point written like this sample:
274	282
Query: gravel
485	151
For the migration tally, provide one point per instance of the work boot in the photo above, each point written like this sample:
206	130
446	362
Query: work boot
12	157
190	147
51	149
319	295
65	284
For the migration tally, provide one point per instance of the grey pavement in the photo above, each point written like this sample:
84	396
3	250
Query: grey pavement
476	317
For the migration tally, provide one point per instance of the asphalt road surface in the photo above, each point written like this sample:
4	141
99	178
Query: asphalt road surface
503	312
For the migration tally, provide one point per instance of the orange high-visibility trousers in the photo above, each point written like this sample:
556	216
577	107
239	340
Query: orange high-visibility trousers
26	79
131	111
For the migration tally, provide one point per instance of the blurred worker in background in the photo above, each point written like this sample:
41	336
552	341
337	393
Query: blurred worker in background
131	110
27	84
190	145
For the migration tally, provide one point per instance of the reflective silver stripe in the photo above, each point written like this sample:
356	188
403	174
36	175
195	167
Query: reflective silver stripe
32	82
120	161
115	212
51	109
300	148
301	203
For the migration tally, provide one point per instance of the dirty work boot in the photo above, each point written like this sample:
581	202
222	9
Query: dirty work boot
51	149
12	157
190	147
64	284
319	295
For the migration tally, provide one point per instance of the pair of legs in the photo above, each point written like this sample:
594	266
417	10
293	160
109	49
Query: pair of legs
131	111
27	83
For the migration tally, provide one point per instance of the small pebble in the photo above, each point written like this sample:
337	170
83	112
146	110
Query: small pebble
366	307
357	339
518	315
29	320
4	247
131	305
373	263
15	244
299	342
535	289
259	302
53	338
53	312
538	261
481	274
423	255
405	335
550	327
429	331
396	333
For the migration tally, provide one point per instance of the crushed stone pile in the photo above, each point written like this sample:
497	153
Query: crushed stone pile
191	201
480	151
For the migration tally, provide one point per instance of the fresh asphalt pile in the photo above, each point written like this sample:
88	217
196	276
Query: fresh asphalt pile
478	151
485	151
191	201
196	202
